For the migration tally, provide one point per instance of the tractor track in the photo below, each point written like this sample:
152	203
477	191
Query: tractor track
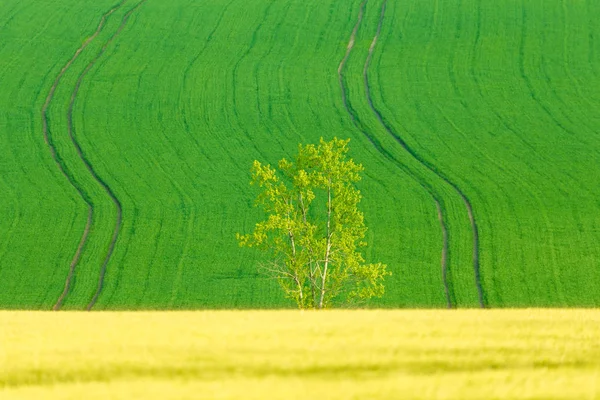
404	145
448	291
65	171
60	163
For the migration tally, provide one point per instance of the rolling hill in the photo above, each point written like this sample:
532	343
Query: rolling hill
127	130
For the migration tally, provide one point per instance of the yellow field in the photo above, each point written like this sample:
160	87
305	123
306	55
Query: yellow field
470	354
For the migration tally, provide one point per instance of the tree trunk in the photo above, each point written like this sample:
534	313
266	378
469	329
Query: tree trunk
328	246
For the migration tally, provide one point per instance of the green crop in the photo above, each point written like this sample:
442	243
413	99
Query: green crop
475	122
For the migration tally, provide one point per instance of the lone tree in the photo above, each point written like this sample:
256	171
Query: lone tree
314	227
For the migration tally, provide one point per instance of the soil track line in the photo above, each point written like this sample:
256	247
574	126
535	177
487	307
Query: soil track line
465	199
60	163
448	291
90	168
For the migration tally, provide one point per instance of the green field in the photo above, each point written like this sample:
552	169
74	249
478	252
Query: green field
128	128
363	354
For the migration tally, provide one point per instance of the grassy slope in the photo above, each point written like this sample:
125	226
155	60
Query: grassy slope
503	99
465	354
188	94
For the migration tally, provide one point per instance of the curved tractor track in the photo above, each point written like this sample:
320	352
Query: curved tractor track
445	240
84	159
405	146
60	163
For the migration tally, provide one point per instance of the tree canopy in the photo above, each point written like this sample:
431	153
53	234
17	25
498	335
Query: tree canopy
314	228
